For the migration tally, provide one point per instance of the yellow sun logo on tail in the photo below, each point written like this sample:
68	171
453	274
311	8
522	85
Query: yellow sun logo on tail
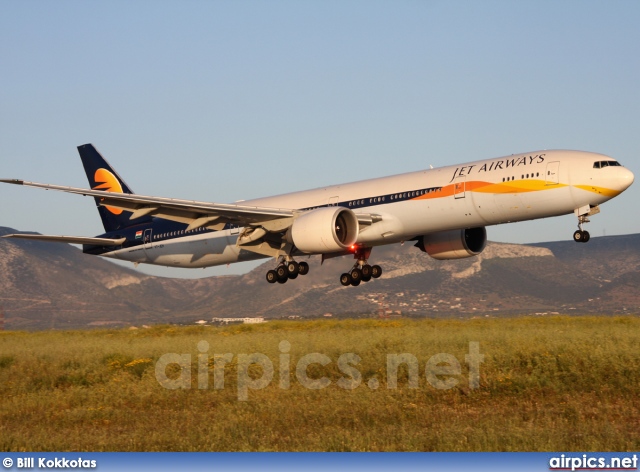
105	180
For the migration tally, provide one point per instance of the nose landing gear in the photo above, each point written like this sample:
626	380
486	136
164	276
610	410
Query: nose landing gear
581	236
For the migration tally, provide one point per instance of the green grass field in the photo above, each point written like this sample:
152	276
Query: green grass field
546	384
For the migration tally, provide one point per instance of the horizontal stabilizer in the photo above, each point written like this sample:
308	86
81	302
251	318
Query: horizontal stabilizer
70	239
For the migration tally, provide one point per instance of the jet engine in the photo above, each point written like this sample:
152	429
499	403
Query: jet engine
454	244
322	230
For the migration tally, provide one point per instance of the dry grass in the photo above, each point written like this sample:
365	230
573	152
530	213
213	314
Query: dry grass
546	384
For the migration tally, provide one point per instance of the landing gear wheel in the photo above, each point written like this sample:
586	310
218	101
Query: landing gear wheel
293	268
345	279
356	276
366	272
272	277
361	271
287	269
581	236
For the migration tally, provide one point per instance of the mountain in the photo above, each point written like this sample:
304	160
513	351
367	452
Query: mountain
48	285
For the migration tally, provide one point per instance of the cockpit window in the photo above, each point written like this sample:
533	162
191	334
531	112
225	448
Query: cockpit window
601	164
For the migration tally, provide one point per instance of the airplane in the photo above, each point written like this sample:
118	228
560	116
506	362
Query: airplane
444	210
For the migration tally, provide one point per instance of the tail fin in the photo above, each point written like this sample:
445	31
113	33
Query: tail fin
103	177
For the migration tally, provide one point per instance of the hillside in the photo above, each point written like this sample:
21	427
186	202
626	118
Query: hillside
46	285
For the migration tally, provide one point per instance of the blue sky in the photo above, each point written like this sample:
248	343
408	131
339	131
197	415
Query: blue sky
221	101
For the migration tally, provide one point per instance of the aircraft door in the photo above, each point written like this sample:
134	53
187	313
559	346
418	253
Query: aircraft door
553	173
146	240
459	187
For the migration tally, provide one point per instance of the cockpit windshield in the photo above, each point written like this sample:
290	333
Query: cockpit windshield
601	164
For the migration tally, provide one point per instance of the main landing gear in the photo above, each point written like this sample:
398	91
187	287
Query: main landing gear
287	270
581	236
359	274
361	271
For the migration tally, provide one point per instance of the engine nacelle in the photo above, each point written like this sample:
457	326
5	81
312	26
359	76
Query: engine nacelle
322	230
454	244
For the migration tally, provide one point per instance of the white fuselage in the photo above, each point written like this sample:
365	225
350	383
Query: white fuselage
481	193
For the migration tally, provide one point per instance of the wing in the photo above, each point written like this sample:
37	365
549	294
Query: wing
263	226
193	213
69	239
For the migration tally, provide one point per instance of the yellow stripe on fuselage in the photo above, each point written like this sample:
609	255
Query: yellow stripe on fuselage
516	186
607	192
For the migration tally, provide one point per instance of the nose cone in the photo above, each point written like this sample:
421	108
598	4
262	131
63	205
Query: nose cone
622	179
610	181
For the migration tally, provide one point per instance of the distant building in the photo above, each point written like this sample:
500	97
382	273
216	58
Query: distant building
256	320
